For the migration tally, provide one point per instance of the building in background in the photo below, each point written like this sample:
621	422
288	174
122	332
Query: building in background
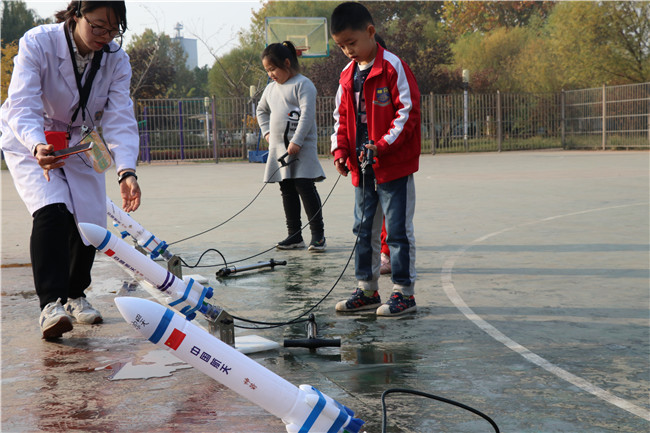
189	46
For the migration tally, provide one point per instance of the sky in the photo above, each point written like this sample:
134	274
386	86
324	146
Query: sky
216	22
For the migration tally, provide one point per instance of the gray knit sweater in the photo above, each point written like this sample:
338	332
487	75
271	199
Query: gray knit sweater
288	113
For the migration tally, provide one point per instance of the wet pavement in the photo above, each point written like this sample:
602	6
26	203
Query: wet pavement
532	291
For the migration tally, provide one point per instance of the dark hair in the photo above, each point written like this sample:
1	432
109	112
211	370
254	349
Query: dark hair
277	53
350	16
79	8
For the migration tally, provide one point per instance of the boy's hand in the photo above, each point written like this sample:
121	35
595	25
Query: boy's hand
341	167
362	156
373	147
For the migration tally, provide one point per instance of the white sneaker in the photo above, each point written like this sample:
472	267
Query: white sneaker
82	311
54	321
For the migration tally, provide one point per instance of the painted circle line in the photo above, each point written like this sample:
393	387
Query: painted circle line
457	300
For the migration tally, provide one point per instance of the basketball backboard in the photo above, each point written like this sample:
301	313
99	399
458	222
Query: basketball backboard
308	34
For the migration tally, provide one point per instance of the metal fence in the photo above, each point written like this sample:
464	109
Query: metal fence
194	128
615	117
494	122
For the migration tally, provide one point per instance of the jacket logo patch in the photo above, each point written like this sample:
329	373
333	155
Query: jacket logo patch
382	97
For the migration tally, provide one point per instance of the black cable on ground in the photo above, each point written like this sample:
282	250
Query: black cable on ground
298	319
270	325
226	263
201	257
303	227
431	396
232	217
224	222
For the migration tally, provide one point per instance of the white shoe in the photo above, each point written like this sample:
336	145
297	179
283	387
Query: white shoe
397	305
82	311
54	321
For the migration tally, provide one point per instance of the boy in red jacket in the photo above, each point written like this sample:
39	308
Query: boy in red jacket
378	109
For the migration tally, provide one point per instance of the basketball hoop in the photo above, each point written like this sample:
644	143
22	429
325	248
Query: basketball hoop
300	50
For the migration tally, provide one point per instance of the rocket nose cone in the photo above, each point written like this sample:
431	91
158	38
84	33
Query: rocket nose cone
131	307
126	308
123	305
143	315
93	233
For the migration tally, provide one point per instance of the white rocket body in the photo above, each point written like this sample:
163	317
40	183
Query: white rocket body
303	409
187	298
130	227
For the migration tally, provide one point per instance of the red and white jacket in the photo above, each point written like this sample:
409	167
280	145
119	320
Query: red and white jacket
393	112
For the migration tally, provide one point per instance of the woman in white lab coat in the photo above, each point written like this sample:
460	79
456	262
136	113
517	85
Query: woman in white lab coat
44	95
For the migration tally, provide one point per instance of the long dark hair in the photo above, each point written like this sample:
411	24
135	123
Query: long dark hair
277	53
79	8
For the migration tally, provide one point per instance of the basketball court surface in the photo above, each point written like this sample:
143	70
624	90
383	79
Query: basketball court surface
532	293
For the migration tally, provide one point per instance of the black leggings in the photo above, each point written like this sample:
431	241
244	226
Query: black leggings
61	263
293	190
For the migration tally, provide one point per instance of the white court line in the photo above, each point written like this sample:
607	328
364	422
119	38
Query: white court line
452	294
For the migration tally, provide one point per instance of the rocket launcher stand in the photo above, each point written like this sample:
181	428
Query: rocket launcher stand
224	326
312	342
174	266
224	272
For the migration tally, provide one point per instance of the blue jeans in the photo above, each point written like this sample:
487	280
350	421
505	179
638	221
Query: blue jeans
394	200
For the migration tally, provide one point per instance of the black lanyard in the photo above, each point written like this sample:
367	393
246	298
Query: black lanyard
360	77
84	90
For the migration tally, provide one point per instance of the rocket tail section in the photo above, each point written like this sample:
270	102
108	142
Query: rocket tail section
326	414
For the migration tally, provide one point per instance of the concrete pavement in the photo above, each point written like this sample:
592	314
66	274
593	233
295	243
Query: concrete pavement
532	299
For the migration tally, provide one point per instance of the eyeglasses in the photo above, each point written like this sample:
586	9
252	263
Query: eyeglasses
101	31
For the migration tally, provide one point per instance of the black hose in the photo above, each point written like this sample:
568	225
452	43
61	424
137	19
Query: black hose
431	396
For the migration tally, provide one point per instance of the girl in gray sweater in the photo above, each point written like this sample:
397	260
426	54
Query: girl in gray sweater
286	114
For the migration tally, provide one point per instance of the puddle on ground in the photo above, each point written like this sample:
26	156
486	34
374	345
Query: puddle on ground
157	363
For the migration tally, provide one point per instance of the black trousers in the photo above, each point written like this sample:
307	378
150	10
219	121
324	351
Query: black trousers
295	190
61	263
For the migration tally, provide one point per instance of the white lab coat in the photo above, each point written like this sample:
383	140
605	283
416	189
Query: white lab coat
42	96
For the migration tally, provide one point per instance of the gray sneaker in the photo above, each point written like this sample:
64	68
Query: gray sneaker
54	321
317	246
82	311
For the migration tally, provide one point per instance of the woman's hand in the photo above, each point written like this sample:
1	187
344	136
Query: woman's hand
47	161
130	191
293	149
